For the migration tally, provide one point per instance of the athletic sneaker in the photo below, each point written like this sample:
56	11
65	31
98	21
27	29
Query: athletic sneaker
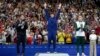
48	52
36	54
83	54
55	52
78	54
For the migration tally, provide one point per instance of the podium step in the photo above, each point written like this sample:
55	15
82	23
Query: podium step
51	54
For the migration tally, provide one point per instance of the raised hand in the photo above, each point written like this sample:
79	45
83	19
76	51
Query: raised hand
45	5
59	7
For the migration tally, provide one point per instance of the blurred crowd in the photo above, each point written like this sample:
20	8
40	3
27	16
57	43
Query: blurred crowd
33	12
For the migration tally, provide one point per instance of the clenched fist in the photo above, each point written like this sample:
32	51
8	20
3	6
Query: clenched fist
59	7
45	5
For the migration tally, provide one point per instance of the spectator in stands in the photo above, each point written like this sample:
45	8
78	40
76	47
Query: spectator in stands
45	37
8	36
97	30
61	37
38	37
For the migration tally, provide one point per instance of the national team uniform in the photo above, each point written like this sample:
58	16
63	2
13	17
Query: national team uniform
80	36
61	37
21	27
52	28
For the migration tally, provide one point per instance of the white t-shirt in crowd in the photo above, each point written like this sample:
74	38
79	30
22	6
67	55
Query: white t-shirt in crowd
93	37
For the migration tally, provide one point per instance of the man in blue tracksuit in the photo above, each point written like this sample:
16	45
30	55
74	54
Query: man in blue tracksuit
52	26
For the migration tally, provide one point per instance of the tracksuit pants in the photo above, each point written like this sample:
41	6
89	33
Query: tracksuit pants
21	39
80	42
93	48
51	41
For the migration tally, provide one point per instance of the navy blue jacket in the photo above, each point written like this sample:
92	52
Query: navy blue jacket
52	22
19	30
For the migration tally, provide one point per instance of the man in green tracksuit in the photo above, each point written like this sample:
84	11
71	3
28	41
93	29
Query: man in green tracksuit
80	34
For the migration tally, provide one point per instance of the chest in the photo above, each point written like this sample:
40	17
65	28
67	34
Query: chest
52	21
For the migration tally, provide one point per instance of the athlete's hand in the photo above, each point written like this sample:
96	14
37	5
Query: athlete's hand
45	5
59	7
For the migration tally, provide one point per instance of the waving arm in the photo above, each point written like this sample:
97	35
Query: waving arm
47	15
58	12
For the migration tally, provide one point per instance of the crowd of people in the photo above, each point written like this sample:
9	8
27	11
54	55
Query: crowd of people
34	13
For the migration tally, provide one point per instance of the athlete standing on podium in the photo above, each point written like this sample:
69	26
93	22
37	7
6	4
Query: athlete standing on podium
52	20
21	26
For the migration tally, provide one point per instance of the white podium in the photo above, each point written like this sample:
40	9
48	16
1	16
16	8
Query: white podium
51	54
